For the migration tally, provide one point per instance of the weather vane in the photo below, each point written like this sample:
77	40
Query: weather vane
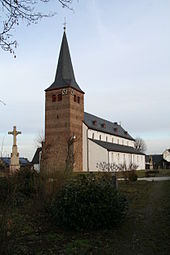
64	23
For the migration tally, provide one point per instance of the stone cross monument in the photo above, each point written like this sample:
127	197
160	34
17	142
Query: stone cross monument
14	163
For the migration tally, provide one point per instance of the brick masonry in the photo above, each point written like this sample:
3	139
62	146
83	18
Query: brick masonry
63	121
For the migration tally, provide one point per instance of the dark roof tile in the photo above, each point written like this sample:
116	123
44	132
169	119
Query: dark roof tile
117	147
110	127
65	73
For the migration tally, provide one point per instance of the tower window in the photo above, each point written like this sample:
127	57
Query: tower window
59	97
75	98
53	98
78	100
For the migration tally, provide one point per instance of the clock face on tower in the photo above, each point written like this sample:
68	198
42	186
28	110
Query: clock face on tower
64	91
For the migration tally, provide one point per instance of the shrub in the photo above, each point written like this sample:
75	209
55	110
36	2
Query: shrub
88	202
4	188
26	181
17	188
132	176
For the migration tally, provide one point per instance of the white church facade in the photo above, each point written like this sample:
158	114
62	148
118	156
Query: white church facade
107	145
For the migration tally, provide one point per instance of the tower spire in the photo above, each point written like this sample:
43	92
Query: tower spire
65	73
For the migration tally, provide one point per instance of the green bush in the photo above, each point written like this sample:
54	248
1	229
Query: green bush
26	181
17	188
132	176
4	188
88	202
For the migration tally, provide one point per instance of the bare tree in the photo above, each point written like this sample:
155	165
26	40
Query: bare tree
2	102
13	12
140	144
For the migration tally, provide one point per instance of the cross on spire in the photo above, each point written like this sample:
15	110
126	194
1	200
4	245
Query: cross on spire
14	133
65	23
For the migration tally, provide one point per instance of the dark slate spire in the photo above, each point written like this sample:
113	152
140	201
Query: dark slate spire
65	74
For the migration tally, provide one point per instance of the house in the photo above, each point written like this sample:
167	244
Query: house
75	139
158	161
36	159
5	164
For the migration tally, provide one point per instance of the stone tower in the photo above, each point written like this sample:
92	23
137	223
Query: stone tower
64	115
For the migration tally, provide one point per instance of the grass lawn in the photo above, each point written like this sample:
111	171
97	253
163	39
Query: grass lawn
141	173
145	231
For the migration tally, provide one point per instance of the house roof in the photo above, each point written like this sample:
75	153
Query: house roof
65	73
36	157
22	161
117	147
102	125
156	158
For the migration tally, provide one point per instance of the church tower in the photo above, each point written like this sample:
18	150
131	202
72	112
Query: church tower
64	116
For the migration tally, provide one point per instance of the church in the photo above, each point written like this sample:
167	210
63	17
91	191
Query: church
76	140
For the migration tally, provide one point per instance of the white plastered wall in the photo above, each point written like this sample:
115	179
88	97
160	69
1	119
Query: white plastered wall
94	154
93	134
127	158
85	149
97	155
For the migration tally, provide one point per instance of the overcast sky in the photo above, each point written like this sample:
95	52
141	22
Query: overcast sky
121	58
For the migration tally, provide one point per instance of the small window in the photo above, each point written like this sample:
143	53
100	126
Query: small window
103	125
112	140
53	98
75	98
93	136
106	138
118	157
94	122
117	141
115	129
59	97
78	100
100	137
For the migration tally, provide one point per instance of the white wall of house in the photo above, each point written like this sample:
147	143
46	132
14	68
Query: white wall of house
127	158
97	155
93	134
85	149
166	155
36	167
